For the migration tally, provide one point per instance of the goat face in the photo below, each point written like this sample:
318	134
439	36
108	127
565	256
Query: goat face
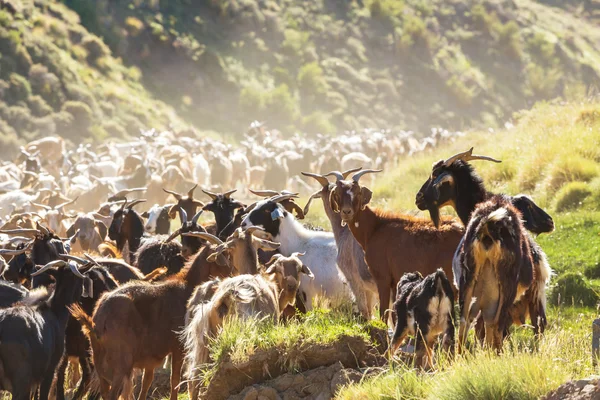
267	214
285	272
158	219
349	198
91	232
535	219
223	208
438	191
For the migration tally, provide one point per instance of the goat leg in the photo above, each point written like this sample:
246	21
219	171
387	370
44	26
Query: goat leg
60	378
176	364
146	382
86	373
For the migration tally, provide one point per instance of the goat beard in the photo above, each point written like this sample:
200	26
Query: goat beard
434	214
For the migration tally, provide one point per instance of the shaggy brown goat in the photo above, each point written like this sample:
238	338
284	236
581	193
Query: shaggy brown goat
136	325
394	244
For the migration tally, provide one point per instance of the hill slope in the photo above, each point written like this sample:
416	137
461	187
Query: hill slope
331	64
57	78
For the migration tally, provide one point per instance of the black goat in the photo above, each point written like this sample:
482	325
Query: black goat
158	220
453	182
190	245
223	207
425	309
32	336
127	227
11	293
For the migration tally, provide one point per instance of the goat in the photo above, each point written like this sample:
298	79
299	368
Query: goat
189	244
56	215
159	222
223	207
32	335
394	244
320	251
127	227
246	296
453	182
496	269
135	325
289	204
186	203
91	232
424	309
350	256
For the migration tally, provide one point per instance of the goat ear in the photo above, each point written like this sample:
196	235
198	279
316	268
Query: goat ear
212	258
305	270
145	214
272	269
222	260
102	229
274	258
365	197
173	211
333	201
266	245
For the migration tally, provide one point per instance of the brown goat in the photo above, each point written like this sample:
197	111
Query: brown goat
394	244
136	325
186	203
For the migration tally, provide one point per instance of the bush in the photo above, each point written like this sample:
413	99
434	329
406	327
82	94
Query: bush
571	196
311	80
282	105
95	47
317	122
39	107
509	38
252	101
19	118
593	201
542	82
414	33
571	168
19	89
592	271
9	143
82	118
572	288
134	26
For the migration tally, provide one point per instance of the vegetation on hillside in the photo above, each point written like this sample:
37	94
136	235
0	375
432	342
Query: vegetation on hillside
329	65
56	78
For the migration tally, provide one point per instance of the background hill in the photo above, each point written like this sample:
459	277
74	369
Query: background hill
97	68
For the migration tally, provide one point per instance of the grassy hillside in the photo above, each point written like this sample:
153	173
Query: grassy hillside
57	78
330	64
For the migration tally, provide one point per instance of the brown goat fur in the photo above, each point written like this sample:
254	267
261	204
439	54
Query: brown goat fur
394	244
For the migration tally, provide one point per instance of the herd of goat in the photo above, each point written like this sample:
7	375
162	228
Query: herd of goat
112	290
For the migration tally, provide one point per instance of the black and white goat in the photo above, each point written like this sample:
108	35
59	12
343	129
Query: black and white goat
425	309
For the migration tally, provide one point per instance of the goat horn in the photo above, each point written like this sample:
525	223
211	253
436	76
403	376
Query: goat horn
123	205
66	203
18	239
468	156
7	252
175	194
322	179
347	173
135	203
211	194
195	218
358	175
206	236
42	229
183	216
91	259
338	175
229	193
18	231
57	263
173	235
45	207
73	258
191	191
315	195
250	207
282	197
265	193
75	271
253	229
298	254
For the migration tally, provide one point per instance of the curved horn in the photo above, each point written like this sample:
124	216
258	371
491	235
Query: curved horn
66	203
57	263
315	195
206	236
42	229
191	191
195	218
91	259
253	229
358	175
247	209
265	193
211	194
322	179
183	216
468	156
18	239
45	207
135	203
73	258
298	254
347	173
175	194
173	236
7	252
282	197
75	271
123	205
338	175
229	193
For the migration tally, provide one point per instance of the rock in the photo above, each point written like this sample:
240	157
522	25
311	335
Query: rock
251	394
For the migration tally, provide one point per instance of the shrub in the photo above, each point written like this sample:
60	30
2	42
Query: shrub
19	89
589	116
39	107
541	48
414	33
95	47
114	130
570	168
542	82
82	117
593	201
282	105
509	38
134	26
317	122
9	143
571	196
19	118
294	42
592	271
252	101
311	79
572	288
